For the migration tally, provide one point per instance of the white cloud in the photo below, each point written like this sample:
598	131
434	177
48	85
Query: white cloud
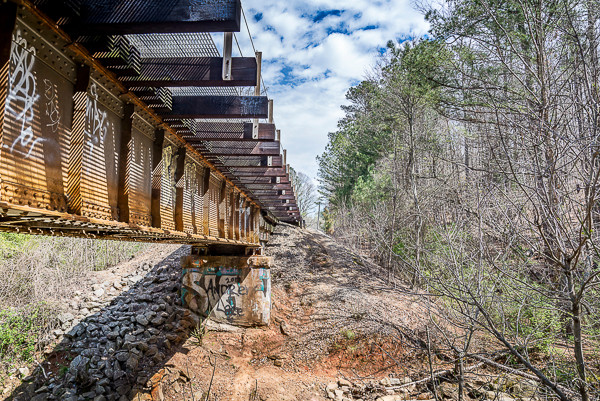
313	51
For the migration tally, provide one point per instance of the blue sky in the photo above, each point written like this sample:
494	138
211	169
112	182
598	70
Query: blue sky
313	51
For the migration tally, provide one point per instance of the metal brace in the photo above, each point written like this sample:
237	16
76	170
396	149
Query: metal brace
253	251
200	250
227	47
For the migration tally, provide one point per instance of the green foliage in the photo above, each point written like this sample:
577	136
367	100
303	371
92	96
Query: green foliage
372	188
198	333
11	244
348	334
19	333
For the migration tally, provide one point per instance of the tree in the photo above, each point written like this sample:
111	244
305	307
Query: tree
470	163
306	194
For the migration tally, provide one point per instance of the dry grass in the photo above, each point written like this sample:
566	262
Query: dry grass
38	273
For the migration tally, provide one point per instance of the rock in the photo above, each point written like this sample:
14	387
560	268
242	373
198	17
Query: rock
43	389
65	317
344	382
391	398
40	397
503	397
524	389
331	386
425	396
99	293
152	350
449	390
24	372
285	330
278	362
123	390
141	319
79	368
132	362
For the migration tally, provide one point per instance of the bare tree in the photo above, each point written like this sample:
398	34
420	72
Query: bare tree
306	193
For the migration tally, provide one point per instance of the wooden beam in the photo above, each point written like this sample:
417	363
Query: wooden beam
262	171
275	197
191	71
274	187
193	107
261	149
266	133
263	160
122	17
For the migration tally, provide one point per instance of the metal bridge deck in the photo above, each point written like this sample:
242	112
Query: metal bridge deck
123	121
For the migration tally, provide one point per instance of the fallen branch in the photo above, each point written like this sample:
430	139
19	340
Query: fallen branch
516	372
435	376
211	378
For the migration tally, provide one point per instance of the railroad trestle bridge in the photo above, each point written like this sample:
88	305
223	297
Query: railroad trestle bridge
123	120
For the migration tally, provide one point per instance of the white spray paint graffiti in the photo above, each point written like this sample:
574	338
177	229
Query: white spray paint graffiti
97	124
52	110
22	94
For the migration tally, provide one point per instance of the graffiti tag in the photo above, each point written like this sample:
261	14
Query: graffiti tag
52	110
22	94
97	123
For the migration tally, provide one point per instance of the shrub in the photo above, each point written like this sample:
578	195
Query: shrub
19	333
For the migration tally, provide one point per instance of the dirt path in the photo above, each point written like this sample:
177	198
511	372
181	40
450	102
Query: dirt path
333	317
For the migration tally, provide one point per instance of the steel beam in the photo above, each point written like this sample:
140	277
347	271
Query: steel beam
266	133
196	72
261	149
121	17
193	107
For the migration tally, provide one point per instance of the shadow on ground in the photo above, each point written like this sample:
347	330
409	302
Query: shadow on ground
112	354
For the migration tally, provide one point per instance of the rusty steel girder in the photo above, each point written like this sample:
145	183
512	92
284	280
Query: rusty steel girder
82	156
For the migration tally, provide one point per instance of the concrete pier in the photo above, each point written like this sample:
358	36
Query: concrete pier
228	289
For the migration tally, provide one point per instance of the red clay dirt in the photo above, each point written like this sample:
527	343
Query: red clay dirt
333	317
